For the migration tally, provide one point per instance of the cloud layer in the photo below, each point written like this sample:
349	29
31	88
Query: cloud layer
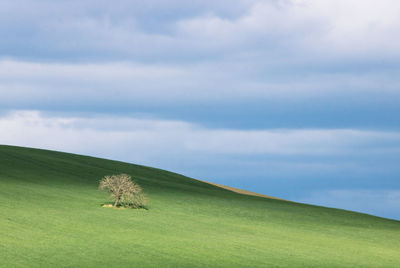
191	92
160	136
175	30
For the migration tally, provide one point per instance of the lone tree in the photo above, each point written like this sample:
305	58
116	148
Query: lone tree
123	190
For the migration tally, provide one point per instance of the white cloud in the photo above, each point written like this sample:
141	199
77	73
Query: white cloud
18	69
247	51
59	84
330	27
93	82
290	30
139	139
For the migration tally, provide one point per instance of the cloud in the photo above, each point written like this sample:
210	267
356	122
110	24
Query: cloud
201	82
329	28
151	137
174	31
78	30
308	64
251	96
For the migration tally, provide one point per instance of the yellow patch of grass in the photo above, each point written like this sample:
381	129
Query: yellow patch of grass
111	206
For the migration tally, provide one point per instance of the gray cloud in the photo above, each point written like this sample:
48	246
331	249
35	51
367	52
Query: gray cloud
179	30
269	59
181	91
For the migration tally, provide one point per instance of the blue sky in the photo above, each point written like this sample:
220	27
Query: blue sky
294	98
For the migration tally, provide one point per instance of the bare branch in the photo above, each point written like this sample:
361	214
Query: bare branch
123	190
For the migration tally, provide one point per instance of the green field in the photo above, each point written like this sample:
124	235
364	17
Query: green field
51	216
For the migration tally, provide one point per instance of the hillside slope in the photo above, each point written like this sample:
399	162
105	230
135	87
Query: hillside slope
51	216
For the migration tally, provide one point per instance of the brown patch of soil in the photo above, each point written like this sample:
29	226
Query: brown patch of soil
240	191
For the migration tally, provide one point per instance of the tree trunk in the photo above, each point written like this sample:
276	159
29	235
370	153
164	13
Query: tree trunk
116	201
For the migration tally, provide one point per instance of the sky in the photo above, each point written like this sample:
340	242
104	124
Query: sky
298	99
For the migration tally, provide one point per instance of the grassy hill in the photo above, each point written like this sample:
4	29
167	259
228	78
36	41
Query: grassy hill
51	216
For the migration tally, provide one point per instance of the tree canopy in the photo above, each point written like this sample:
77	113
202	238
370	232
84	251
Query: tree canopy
123	191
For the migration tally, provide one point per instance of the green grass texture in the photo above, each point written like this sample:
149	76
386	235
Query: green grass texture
51	215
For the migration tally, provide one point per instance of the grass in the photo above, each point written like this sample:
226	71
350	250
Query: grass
51	215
